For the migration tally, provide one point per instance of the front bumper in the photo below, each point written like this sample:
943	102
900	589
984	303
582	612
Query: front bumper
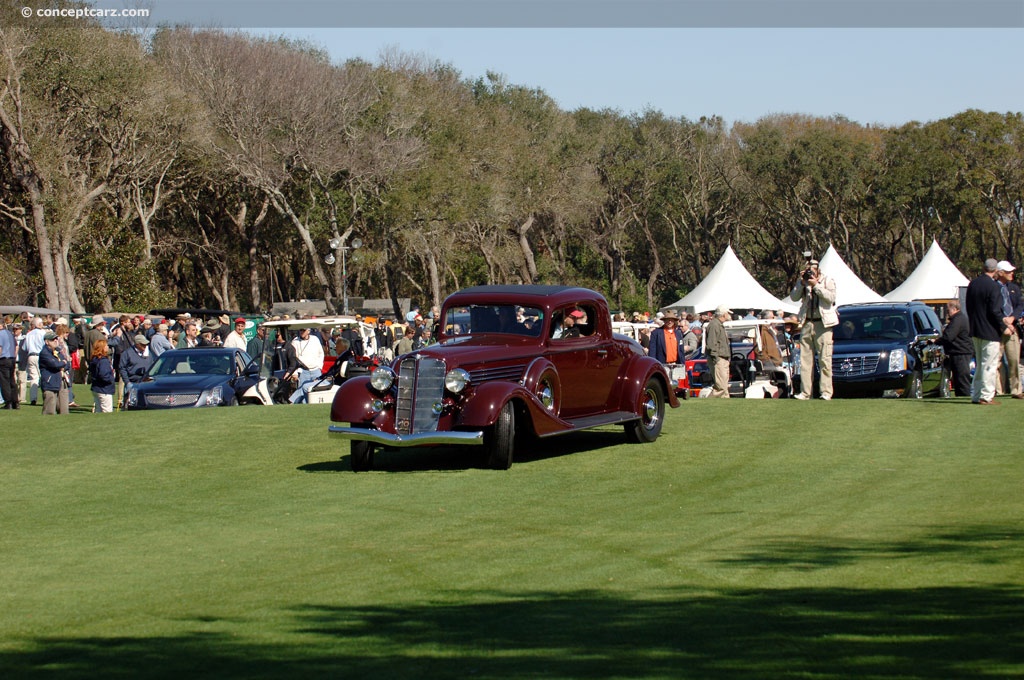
871	385
401	440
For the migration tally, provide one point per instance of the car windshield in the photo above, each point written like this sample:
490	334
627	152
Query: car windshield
508	319
873	325
191	364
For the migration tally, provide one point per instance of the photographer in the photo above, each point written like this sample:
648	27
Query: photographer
817	296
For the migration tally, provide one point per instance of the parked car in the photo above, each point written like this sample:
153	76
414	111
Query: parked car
496	379
887	349
748	376
208	376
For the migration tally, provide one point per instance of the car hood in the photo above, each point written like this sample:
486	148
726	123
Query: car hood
865	346
472	350
182	383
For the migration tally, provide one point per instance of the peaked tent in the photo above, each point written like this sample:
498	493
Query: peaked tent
849	288
729	283
936	278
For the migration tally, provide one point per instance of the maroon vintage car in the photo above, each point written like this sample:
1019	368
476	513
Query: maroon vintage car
513	362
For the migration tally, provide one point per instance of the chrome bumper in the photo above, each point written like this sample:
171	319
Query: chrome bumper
417	439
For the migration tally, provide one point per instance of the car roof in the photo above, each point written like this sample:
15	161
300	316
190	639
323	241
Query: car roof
548	295
882	305
205	351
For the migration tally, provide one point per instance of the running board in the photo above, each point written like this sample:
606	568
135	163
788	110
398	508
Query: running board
590	422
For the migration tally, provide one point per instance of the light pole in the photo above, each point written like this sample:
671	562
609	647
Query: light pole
336	244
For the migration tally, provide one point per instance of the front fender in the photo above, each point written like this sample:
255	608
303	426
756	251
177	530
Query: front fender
353	401
482	407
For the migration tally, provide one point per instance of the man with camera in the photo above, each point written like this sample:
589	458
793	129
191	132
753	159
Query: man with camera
818	316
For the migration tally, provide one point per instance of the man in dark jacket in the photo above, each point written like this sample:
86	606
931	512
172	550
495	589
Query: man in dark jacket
956	341
135	361
53	376
987	319
666	342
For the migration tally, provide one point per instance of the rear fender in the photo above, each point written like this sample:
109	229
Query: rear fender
635	379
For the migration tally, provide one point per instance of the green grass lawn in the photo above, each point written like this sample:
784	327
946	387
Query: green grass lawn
758	539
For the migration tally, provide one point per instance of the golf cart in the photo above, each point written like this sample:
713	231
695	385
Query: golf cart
281	332
749	376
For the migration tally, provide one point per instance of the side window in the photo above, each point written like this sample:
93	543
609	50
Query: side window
556	323
586	322
572	321
926	321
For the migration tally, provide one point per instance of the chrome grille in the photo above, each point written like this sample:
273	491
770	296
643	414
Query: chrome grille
188	399
420	387
847	366
512	373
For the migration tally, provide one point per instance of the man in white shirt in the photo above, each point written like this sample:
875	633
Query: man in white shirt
310	354
236	338
34	343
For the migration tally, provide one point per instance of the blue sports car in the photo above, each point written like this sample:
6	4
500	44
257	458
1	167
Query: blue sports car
199	377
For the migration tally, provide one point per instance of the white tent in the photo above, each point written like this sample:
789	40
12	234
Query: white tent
729	283
936	278
849	288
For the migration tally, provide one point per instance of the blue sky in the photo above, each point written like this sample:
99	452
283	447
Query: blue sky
885	76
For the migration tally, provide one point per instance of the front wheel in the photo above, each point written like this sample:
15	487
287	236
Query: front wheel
500	439
361	456
652	415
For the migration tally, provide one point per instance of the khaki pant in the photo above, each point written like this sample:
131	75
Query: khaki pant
103	403
815	339
721	388
32	377
986	369
1009	374
55	402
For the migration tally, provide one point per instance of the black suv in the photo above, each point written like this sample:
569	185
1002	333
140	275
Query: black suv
887	349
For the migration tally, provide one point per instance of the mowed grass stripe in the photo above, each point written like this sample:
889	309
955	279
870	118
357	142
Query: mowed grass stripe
246	523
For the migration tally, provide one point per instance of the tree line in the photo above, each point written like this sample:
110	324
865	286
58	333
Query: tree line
205	168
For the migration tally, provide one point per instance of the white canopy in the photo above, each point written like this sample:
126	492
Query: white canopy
729	283
936	278
850	289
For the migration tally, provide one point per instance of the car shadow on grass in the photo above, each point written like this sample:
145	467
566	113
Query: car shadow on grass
458	458
735	634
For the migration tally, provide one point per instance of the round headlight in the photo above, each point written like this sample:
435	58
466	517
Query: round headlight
456	380
382	379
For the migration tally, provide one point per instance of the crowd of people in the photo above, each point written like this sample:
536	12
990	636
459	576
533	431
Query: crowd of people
989	334
43	358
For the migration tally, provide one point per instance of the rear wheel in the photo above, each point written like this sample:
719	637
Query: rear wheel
361	456
651	412
500	439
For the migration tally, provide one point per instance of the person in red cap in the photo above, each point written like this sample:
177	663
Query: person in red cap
568	328
236	338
